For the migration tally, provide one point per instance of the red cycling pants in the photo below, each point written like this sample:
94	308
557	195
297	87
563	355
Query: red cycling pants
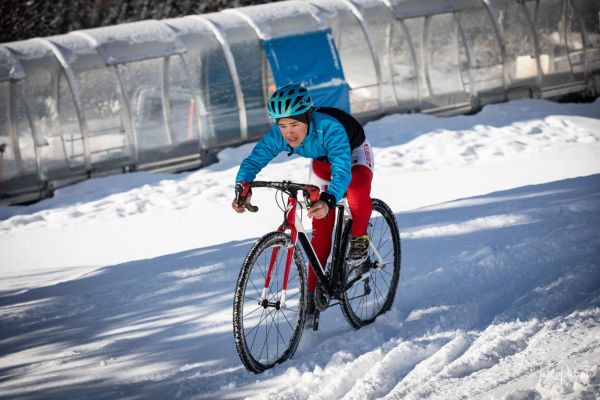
359	201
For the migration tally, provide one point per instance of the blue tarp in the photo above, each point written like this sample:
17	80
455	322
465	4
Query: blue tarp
312	59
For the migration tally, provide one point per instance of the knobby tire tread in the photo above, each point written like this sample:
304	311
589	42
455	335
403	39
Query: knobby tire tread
264	243
345	303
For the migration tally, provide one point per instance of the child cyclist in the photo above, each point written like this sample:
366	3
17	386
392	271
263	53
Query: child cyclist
342	163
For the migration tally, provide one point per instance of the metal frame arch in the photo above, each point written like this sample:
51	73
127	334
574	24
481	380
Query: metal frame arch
565	33
585	40
570	3
413	53
501	42
248	19
16	73
200	109
388	46
133	143
468	52
38	142
217	32
313	9
425	54
74	88
261	36
536	48
12	126
165	85
16	92
354	9
165	90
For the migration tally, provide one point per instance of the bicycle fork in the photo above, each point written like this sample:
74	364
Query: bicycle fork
288	224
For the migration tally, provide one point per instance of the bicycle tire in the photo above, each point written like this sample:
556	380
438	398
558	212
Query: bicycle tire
266	336
362	303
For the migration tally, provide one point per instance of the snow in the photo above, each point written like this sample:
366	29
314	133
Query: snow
133	32
284	19
122	286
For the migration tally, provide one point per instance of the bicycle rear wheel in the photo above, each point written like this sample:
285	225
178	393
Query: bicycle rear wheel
268	333
371	287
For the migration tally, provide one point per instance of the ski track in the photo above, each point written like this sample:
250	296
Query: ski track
499	295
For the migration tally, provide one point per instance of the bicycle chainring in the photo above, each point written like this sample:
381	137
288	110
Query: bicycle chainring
321	298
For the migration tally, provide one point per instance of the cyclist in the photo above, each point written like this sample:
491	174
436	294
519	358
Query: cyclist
342	162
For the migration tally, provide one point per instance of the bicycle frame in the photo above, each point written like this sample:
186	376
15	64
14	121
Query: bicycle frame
293	223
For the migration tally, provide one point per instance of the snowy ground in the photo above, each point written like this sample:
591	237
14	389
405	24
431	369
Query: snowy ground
121	287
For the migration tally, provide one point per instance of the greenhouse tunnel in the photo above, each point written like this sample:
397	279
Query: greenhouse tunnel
167	95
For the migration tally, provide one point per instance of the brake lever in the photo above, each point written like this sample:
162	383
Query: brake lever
250	207
241	199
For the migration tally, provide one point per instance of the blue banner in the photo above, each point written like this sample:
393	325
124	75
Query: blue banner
313	60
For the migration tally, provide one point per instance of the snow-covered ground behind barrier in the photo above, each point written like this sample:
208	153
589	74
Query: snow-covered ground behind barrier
122	287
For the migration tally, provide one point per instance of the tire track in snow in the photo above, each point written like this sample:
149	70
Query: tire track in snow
369	375
384	374
536	361
494	344
424	371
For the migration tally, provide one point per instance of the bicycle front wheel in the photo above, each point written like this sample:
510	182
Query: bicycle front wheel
371	288
268	323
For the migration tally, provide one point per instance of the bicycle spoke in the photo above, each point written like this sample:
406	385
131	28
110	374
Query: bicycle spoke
252	312
252	298
386	284
287	320
268	334
263	347
278	334
372	294
258	324
255	333
383	270
255	288
377	289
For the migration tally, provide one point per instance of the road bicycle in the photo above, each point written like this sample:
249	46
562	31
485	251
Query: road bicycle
269	308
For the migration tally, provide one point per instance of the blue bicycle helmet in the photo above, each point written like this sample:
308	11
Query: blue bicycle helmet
288	101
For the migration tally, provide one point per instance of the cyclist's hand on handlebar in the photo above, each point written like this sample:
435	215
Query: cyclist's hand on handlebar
318	210
243	194
239	206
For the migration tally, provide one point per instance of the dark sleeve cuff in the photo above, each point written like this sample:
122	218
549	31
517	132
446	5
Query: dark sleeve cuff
329	199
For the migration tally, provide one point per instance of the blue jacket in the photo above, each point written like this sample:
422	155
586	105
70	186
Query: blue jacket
326	138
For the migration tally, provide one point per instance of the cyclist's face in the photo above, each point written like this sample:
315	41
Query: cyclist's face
293	131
